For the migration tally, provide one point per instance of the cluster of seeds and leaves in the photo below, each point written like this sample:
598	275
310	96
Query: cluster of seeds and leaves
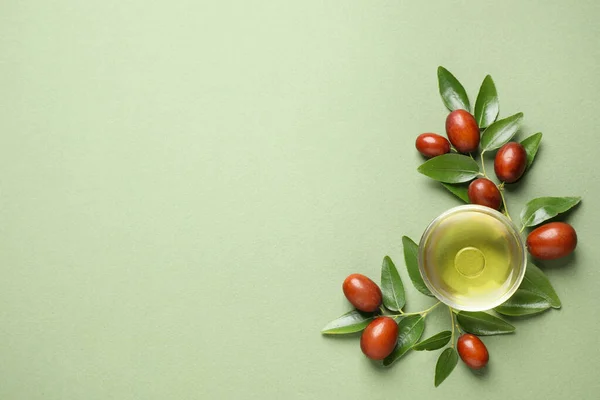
388	332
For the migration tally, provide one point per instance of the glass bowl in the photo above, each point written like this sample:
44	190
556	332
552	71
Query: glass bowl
472	258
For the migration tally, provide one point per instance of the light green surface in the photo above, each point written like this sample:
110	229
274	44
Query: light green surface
185	184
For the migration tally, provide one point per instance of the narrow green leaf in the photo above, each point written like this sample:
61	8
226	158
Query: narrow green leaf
536	282
352	321
523	303
541	209
392	288
453	93
435	342
460	191
531	145
445	365
411	251
450	168
500	132
410	330
480	323
487	106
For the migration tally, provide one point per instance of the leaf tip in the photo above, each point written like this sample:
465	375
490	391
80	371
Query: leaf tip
326	330
556	304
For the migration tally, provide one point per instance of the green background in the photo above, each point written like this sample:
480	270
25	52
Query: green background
184	186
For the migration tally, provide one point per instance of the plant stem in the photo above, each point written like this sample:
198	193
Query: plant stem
424	312
522	229
452	322
458	328
431	308
483	163
504	203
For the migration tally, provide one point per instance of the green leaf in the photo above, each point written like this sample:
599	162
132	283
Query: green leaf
410	330
536	282
351	322
392	288
411	249
445	365
500	132
453	93
531	145
523	303
460	191
450	168
435	342
543	208
480	323
487	106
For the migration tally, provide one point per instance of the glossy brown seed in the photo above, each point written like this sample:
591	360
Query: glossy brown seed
472	351
379	338
553	240
432	144
510	162
363	293
462	131
484	192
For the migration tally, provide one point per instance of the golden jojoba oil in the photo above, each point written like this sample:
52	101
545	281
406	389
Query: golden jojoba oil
472	258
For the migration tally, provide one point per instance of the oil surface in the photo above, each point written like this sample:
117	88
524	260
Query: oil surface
472	259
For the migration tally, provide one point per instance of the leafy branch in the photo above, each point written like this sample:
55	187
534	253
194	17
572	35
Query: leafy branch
455	171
